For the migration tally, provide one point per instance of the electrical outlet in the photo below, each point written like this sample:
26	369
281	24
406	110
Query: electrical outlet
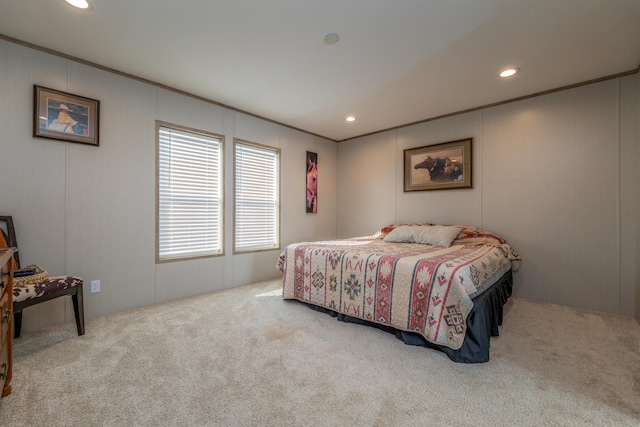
95	286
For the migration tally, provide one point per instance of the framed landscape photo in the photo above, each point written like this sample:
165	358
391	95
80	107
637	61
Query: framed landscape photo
445	166
66	117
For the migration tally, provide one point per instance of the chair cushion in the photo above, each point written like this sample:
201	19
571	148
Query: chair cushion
45	287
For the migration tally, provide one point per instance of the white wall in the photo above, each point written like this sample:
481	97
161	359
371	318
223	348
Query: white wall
90	211
638	201
556	175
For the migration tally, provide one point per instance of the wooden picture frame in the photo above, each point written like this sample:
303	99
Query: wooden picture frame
444	166
65	117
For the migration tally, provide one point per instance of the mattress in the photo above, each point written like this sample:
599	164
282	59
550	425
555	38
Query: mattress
411	287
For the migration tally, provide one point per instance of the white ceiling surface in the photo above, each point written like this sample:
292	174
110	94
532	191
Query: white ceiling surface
397	62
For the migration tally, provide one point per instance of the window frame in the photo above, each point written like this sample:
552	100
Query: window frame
161	124
278	152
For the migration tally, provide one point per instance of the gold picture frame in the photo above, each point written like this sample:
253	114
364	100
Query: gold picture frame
444	166
65	117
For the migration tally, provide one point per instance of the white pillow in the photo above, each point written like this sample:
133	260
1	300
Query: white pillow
435	235
401	234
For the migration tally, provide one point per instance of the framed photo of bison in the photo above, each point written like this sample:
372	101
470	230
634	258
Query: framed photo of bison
445	166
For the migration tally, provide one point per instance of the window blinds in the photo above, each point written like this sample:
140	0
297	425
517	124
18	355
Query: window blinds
189	194
257	197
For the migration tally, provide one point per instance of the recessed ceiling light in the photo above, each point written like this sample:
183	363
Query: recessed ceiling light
80	4
350	119
509	72
331	38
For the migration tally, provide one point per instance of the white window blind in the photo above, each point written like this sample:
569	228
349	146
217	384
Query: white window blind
190	195
257	197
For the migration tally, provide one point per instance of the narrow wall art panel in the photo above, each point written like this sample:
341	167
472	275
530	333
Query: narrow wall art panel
312	182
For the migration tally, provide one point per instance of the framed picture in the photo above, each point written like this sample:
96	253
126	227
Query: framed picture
312	182
66	117
445	166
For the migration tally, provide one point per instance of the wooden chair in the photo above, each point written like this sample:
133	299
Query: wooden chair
34	293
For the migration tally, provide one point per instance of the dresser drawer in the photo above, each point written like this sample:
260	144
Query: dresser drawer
4	364
6	315
4	280
5	319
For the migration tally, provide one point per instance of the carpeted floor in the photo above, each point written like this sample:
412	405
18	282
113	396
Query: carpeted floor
245	357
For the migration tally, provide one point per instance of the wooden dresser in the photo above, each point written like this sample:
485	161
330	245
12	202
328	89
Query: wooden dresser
6	315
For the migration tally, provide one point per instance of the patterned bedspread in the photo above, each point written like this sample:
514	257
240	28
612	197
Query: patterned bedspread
411	287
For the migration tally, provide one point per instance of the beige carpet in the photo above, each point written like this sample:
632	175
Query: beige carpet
245	357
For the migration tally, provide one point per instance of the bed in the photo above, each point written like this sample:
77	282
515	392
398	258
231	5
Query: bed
442	287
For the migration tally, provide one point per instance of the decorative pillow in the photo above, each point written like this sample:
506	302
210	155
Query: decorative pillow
382	233
401	234
435	235
475	236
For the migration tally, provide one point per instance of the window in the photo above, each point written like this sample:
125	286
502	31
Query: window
257	197
189	193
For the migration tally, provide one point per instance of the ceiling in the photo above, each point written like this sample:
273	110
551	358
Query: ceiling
396	62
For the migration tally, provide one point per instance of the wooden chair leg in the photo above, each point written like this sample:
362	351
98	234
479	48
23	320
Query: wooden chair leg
17	323
78	309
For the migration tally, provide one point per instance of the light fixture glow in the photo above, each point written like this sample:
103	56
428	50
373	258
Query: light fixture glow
350	119
80	4
331	38
509	72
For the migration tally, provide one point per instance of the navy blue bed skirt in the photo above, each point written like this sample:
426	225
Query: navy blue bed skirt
482	324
